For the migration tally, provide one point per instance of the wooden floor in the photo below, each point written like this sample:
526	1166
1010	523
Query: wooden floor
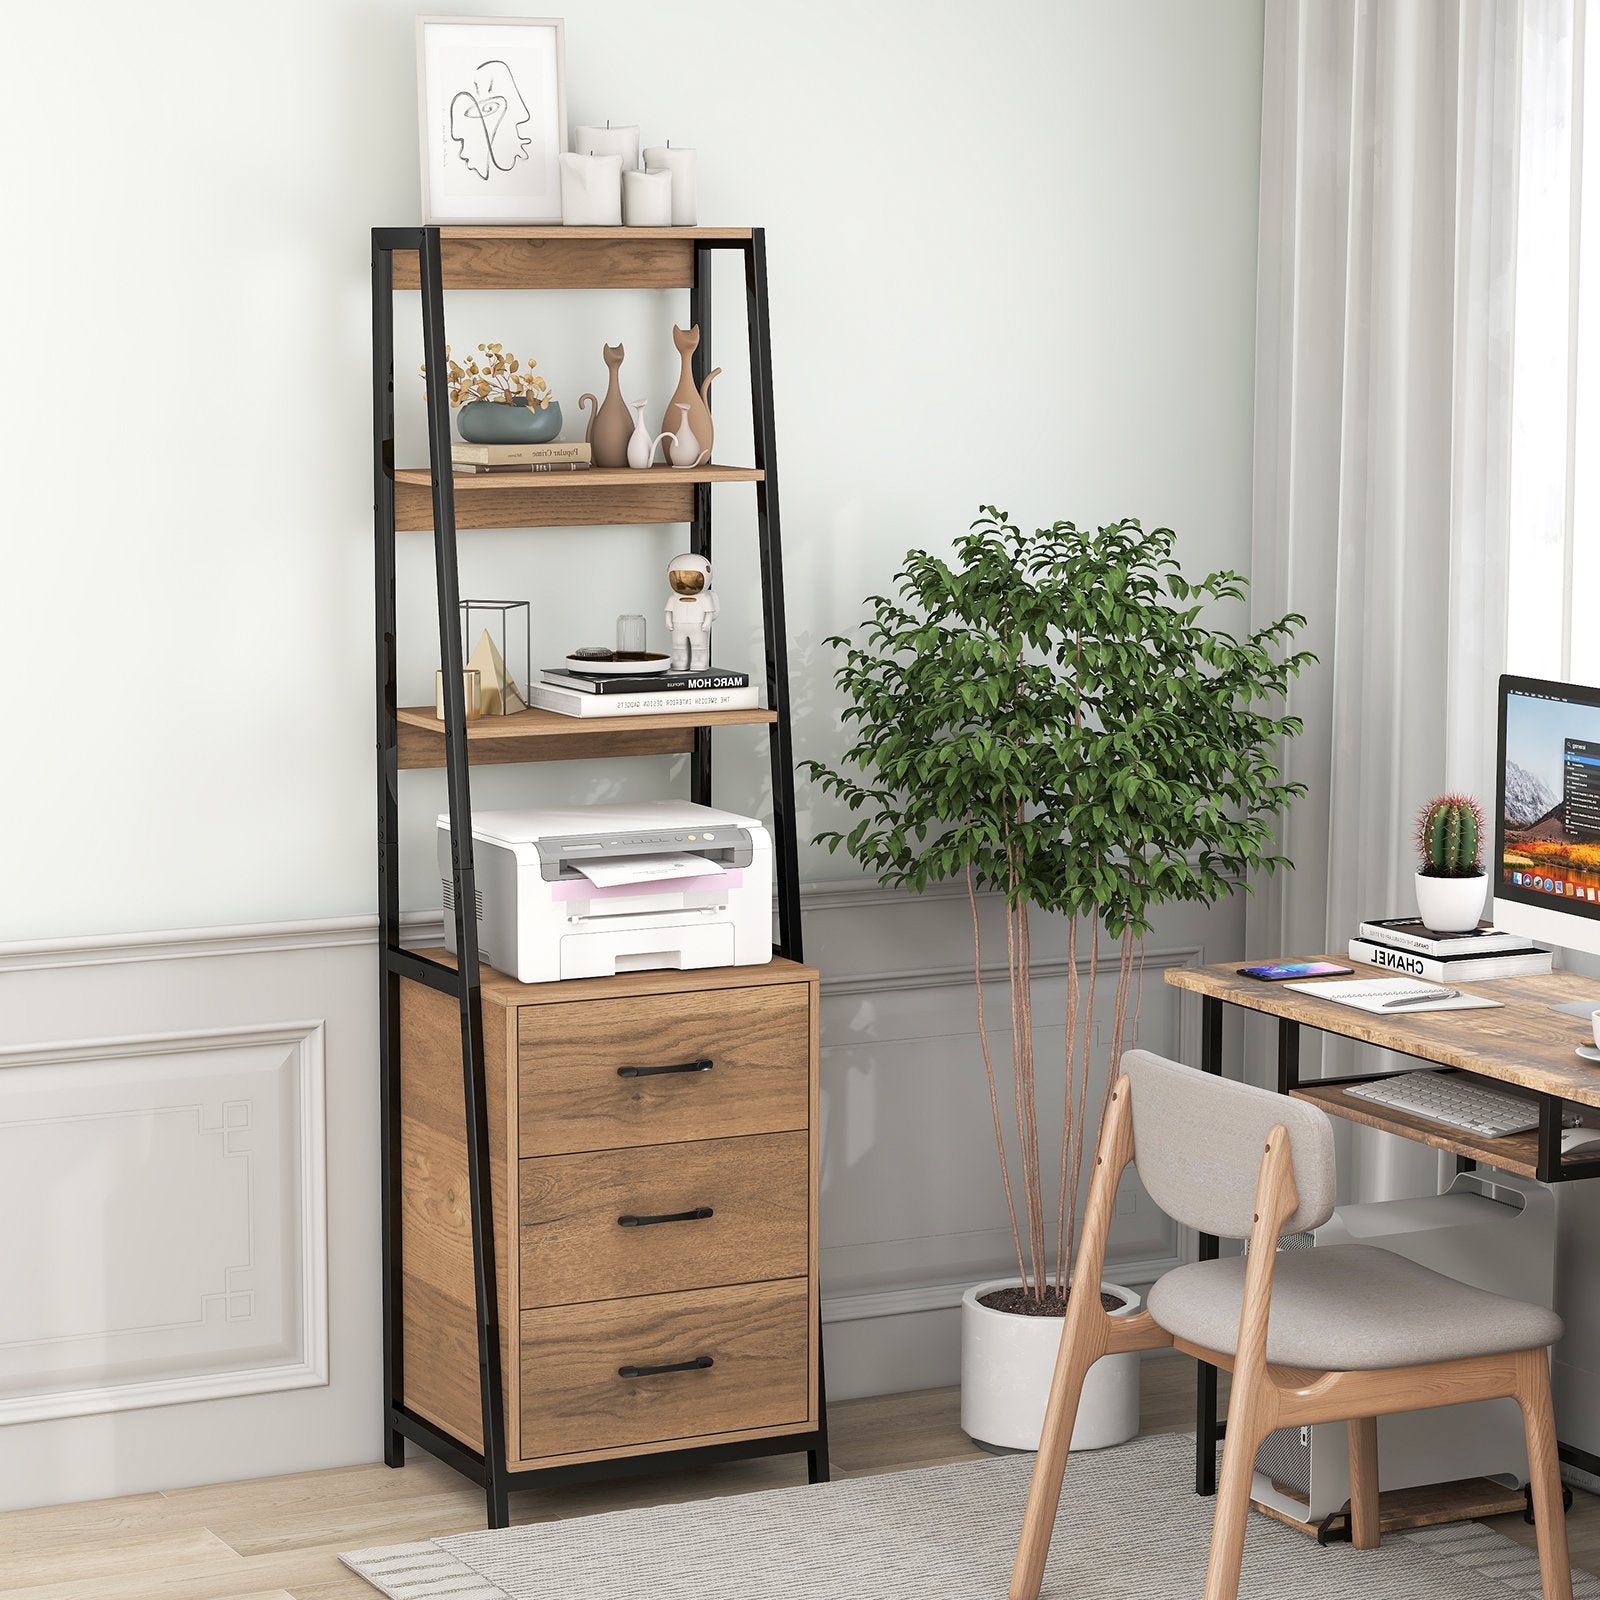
279	1538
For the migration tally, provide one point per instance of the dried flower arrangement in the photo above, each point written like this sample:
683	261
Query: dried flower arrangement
498	376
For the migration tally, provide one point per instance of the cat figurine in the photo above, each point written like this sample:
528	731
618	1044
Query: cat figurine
611	425
699	417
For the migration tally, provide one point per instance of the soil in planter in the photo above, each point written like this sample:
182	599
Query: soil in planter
1019	1302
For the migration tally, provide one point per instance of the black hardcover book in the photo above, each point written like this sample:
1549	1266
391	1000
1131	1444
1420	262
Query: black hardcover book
642	682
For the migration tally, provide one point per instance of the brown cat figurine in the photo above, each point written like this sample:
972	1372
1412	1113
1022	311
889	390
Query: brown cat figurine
610	426
685	395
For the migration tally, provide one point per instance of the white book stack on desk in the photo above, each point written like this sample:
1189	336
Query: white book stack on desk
1404	944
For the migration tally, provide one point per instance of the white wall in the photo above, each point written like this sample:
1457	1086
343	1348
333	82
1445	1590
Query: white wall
1012	254
1012	258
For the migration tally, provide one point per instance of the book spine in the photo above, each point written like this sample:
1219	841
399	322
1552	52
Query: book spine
572	704
1477	944
523	466
667	684
1397	940
1466	969
518	455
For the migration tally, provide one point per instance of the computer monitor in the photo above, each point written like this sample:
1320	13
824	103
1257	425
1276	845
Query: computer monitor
1546	867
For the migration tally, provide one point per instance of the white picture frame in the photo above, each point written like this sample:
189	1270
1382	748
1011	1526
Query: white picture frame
492	118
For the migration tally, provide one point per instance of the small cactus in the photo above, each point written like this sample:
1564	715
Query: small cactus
1449	836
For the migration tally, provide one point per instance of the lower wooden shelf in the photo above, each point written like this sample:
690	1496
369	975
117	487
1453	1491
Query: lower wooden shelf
1516	1152
1426	1506
548	736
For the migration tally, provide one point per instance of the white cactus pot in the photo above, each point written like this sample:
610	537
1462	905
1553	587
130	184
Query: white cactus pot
1451	905
1006	1365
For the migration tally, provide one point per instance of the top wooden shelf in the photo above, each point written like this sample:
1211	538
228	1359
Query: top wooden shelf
566	258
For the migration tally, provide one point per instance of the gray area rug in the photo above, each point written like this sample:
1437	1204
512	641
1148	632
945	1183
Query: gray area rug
1129	1529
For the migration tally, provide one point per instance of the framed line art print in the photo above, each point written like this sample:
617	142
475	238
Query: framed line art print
492	107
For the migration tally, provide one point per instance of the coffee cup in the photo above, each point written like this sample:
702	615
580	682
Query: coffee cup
1595	1022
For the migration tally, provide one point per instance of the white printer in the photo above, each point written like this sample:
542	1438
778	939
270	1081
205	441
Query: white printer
588	891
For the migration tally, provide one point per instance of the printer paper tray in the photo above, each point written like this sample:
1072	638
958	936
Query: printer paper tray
601	954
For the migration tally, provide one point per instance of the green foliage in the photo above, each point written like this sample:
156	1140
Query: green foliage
1048	711
1449	837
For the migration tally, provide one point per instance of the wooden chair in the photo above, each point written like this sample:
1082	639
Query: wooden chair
1348	1333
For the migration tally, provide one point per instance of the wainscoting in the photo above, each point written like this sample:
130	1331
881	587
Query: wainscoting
191	1188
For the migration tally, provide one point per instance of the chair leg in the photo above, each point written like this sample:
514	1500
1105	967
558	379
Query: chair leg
1364	1524
1244	1436
1079	1351
1544	1473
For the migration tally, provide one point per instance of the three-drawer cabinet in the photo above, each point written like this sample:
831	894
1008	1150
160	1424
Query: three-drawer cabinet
653	1153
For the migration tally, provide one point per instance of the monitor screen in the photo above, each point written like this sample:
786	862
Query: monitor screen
1547	822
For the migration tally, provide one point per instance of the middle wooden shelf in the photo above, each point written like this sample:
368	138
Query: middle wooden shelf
539	735
596	496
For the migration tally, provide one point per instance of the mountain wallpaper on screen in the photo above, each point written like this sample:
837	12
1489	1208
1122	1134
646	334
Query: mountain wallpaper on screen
1527	799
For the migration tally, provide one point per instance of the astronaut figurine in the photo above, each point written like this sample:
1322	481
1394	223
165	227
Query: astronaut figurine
691	610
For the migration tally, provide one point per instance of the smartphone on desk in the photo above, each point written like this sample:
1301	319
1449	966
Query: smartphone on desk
1278	971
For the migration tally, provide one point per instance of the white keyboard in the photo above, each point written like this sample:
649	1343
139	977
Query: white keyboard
1454	1100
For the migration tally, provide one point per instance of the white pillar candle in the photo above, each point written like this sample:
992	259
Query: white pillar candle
591	191
680	163
647	199
608	141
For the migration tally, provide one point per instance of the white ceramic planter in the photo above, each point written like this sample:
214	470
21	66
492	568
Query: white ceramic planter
1006	1365
1451	905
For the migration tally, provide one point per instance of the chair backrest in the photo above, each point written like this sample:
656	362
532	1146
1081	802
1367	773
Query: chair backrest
1198	1142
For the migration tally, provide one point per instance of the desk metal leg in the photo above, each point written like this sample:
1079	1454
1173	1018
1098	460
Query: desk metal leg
1205	1413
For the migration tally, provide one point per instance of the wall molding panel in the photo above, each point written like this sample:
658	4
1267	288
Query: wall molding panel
177	1252
201	1176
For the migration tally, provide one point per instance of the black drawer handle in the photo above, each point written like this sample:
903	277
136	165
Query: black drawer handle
702	1065
699	1364
699	1214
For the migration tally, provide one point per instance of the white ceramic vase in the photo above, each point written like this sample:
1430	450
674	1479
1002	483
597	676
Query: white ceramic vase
641	447
1006	1365
1451	905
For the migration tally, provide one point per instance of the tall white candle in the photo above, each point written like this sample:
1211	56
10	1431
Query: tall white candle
680	163
609	141
647	199
591	191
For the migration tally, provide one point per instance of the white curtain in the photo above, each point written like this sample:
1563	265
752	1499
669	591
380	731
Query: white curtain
1414	362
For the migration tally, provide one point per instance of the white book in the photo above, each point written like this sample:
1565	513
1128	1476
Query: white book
1528	962
573	703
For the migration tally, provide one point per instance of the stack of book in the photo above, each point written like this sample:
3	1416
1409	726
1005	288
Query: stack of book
583	694
1403	944
558	455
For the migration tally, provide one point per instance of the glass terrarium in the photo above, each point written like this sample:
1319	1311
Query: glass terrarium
497	644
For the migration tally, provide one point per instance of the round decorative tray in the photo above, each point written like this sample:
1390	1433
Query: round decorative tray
629	665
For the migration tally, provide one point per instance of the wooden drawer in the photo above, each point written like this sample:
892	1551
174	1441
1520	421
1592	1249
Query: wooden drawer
590	1078
735	1210
752	1344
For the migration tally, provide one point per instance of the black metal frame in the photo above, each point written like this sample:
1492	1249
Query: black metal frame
1551	1168
487	1467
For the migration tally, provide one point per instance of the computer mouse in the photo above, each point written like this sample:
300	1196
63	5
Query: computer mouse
1580	1141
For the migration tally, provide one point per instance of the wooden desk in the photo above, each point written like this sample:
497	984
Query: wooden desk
1524	1046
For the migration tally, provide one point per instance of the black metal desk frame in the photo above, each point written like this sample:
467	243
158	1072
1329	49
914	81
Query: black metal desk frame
1209	1432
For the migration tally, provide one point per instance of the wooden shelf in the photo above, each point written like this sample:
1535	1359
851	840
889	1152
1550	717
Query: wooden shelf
602	496
566	258
1517	1152
630	985
1427	1506
548	736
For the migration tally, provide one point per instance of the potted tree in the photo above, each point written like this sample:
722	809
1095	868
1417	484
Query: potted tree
1047	718
1451	882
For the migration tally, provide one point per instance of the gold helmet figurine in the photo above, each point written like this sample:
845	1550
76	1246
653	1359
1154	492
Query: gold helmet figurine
691	609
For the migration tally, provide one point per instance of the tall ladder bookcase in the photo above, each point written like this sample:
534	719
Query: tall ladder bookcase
527	1340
